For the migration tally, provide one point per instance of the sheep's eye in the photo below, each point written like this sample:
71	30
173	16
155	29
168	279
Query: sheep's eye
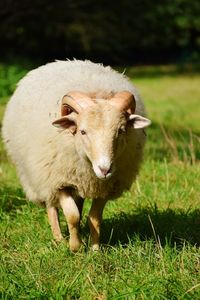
66	110
83	132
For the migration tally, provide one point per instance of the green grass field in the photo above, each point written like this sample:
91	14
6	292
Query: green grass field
150	236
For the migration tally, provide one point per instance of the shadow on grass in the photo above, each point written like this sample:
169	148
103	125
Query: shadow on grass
171	226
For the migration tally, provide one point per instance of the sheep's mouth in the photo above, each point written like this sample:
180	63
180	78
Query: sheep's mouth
103	174
105	177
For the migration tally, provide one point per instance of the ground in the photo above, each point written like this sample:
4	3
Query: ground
150	236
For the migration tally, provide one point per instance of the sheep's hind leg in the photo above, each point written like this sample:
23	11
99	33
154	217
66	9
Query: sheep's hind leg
79	202
72	215
54	222
95	218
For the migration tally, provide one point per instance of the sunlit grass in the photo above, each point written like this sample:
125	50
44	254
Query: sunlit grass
150	236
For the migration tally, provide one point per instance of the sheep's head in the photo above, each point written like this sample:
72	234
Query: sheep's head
100	127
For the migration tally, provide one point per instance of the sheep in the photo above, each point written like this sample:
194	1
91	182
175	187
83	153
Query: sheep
93	150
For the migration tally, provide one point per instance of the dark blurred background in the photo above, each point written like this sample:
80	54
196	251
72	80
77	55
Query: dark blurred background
113	32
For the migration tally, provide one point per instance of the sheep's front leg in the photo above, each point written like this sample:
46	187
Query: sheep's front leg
72	216
54	222
95	218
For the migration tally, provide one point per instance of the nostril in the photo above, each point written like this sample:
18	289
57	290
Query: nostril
104	171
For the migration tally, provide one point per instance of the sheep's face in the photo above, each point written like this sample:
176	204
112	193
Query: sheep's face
101	137
100	133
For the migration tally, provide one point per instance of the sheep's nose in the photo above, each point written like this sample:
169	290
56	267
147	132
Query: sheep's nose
104	170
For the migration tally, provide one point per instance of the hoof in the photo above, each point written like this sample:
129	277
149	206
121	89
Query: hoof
75	245
95	247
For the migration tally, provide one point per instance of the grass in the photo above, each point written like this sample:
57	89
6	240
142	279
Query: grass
150	236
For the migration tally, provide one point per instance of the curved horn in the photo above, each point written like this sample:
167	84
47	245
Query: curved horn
75	101
124	101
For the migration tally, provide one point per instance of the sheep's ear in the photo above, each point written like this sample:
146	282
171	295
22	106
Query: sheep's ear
137	121
66	122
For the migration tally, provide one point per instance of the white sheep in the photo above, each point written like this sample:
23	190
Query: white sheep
94	153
